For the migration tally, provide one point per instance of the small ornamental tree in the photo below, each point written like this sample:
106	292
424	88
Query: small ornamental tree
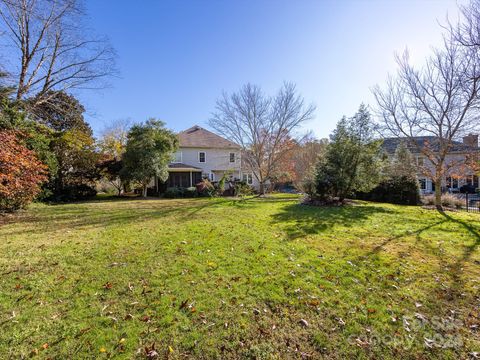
21	173
109	168
149	150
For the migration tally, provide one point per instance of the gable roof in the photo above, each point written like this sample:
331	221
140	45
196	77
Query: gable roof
390	144
198	137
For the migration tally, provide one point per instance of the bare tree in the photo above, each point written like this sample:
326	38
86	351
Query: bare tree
439	100
467	31
261	125
113	139
305	157
51	48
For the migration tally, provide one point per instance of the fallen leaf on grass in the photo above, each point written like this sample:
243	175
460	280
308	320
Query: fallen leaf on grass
184	304
150	352
107	285
303	322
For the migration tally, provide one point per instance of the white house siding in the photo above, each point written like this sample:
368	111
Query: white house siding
217	161
457	158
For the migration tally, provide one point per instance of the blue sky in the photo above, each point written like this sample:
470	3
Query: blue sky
176	57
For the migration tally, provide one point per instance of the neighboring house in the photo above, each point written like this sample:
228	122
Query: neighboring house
203	154
457	177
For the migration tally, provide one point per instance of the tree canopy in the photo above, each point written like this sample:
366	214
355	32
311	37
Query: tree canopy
148	152
352	161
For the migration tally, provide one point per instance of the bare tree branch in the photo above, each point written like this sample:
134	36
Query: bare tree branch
54	48
439	101
261	125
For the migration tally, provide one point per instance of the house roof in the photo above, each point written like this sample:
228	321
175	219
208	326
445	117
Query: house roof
391	144
198	137
182	166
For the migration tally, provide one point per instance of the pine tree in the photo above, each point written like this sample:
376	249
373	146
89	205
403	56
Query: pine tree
352	162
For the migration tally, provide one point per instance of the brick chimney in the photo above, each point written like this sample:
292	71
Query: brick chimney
471	140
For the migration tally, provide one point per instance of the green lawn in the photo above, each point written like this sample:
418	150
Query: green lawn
222	278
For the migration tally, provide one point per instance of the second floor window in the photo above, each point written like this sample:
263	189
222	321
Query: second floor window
232	157
420	161
177	157
201	157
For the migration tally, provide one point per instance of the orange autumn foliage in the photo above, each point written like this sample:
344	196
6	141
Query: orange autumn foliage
21	173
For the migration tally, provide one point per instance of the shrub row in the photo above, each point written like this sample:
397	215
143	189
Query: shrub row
448	200
401	190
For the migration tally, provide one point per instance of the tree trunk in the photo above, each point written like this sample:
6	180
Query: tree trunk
262	188
144	192
438	192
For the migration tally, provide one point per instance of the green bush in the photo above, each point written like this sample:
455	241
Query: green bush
190	192
173	192
180	192
401	190
74	193
243	189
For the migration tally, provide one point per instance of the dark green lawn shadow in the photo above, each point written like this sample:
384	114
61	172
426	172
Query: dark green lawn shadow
454	269
300	220
65	218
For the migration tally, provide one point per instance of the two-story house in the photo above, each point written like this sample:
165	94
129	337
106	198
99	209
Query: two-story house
456	177
204	154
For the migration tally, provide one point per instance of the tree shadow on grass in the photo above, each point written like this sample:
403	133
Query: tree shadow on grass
89	215
393	239
450	266
301	220
455	269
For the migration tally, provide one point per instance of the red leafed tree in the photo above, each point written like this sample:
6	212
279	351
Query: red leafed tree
21	173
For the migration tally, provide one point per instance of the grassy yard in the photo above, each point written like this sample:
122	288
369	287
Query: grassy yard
221	278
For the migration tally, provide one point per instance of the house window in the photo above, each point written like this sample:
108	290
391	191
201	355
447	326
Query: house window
469	180
420	160
201	156
232	157
452	182
248	178
472	180
177	157
423	184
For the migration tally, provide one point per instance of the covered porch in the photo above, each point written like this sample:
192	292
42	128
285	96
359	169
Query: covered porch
182	175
